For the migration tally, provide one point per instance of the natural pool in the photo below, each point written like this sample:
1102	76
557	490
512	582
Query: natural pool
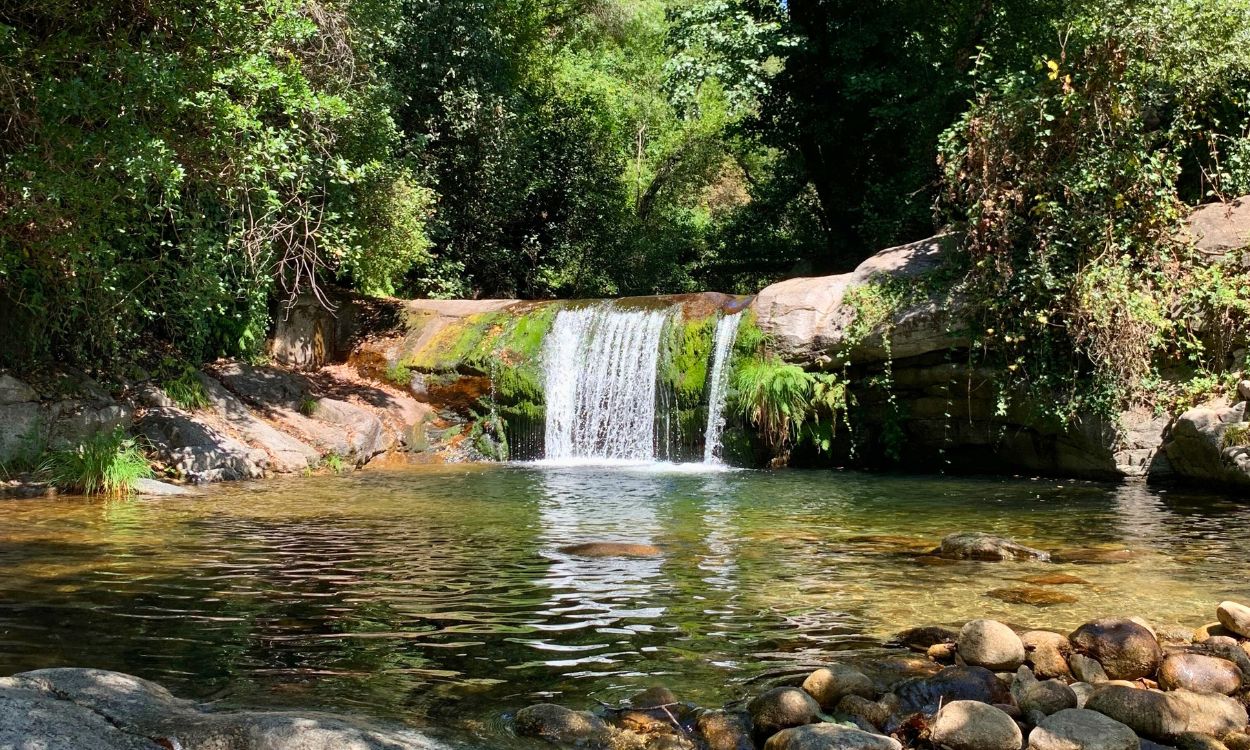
438	595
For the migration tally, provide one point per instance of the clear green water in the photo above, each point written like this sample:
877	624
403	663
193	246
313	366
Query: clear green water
437	596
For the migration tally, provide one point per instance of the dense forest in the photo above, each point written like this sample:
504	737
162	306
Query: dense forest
171	171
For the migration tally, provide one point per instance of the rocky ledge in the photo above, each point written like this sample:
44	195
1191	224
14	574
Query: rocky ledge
1112	684
92	709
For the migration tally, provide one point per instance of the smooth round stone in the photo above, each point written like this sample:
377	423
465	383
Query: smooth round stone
653	697
1125	649
829	737
1086	669
1235	617
990	644
782	708
725	731
1199	674
1047	653
829	685
1079	729
1041	696
971	725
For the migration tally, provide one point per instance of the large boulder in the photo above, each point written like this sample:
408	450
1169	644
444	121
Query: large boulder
990	644
974	545
971	725
1081	729
1199	673
1163	716
782	708
1198	447
74	709
830	737
1125	649
808	320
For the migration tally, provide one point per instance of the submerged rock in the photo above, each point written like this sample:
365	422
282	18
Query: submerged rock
830	737
1079	729
920	639
1037	597
558	724
990	644
971	725
1125	649
980	546
1162	716
611	549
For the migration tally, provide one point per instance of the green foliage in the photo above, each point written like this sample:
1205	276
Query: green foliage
107	463
686	359
1236	435
1071	177
186	389
788	404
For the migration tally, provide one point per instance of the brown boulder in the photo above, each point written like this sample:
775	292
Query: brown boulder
1125	649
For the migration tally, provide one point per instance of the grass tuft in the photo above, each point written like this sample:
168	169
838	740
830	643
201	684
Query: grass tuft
105	464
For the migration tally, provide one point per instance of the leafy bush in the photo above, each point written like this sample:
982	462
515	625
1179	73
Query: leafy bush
788	404
107	463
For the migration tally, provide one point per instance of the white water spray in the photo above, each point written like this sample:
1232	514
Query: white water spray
718	383
600	368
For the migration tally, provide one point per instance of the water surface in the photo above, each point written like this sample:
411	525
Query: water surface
438	596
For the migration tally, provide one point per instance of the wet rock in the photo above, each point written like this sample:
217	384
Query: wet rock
1055	579
1162	716
1086	669
1043	696
990	644
1031	595
970	725
925	694
725	731
830	737
1079	729
1047	653
1198	673
611	549
942	653
653	697
1237	741
1126	650
156	488
782	708
644	722
920	639
979	546
829	685
1235	617
1094	556
558	724
873	713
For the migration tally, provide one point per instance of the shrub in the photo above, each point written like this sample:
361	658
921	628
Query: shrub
107	463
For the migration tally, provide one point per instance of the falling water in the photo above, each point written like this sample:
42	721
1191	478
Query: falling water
718	382
600	377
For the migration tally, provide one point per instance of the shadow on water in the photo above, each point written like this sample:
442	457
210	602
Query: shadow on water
441	597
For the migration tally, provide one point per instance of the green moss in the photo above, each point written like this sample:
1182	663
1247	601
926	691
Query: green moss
751	340
686	358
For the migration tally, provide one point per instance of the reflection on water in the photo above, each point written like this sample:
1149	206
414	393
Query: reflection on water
440	596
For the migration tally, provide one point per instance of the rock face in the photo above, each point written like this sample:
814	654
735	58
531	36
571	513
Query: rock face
64	709
782	708
1199	448
979	546
1126	650
197	451
1199	674
990	644
971	725
830	737
1079	729
1219	229
1162	716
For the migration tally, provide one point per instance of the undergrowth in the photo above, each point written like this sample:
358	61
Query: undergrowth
108	463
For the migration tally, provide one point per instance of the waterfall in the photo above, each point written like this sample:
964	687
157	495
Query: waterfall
718	385
600	365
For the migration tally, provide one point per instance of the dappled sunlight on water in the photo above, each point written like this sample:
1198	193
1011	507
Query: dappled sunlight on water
441	595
